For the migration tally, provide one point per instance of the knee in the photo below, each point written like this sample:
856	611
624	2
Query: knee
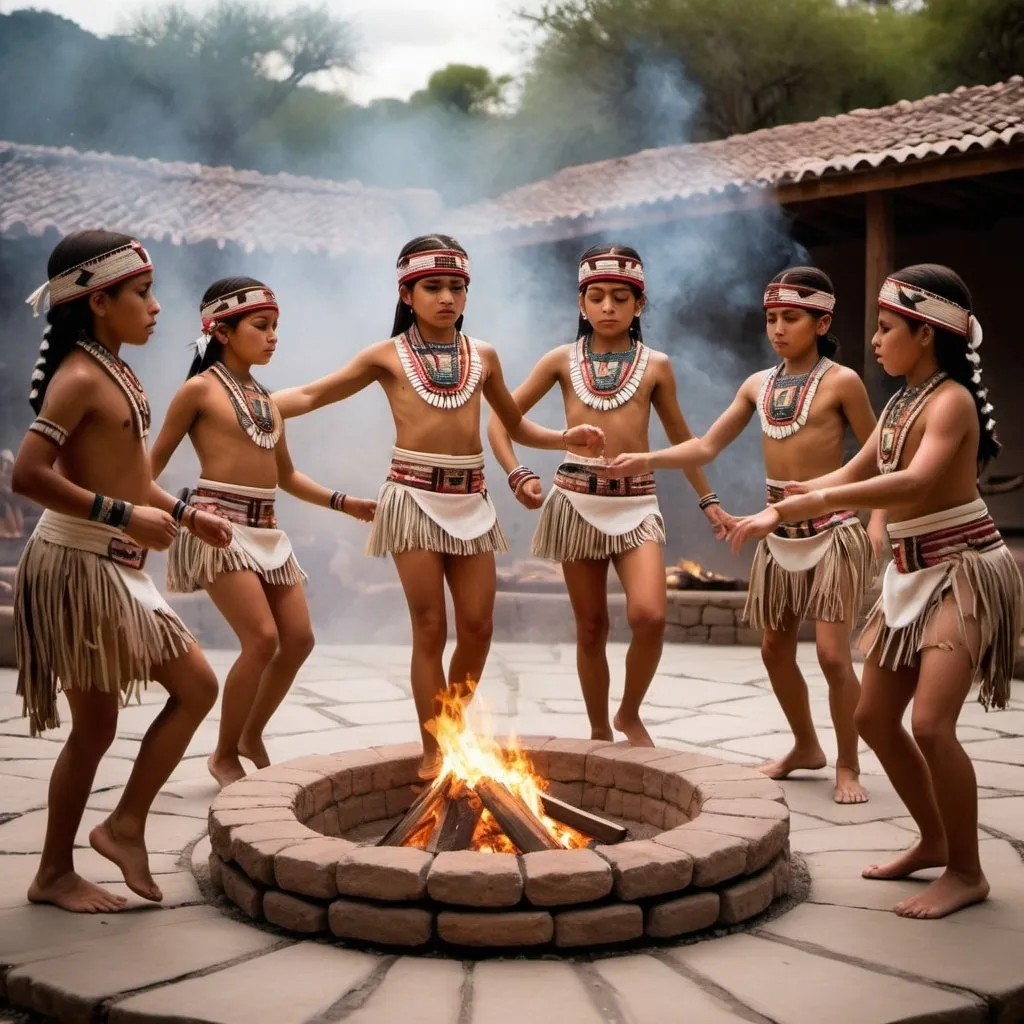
429	631
94	739
297	645
201	694
776	651
647	623
475	629
868	723
262	643
834	661
931	731
592	630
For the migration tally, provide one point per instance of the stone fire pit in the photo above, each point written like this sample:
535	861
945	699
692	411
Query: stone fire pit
292	844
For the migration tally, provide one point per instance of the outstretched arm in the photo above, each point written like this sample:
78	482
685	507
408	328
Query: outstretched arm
335	387
857	409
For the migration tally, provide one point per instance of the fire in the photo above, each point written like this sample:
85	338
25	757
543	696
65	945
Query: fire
687	565
470	755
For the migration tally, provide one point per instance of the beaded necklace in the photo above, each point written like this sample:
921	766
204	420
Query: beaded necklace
898	417
123	376
443	374
606	380
253	407
784	402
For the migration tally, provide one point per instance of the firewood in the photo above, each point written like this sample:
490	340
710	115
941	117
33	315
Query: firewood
428	802
517	821
583	821
456	824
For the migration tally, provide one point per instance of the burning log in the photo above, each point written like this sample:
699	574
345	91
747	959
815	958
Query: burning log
690	575
457	822
518	822
430	801
601	829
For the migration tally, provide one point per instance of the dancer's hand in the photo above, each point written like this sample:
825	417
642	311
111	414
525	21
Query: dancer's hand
795	487
720	521
590	439
752	528
530	493
151	527
213	529
626	464
363	509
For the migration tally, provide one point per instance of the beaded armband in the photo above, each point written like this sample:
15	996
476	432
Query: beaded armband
112	511
178	511
51	431
708	500
338	501
519	476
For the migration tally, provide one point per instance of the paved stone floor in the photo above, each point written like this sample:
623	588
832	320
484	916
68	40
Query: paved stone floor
840	956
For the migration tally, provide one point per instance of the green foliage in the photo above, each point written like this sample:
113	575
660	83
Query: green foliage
975	41
465	88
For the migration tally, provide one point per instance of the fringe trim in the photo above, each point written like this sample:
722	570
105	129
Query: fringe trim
829	592
76	626
995	585
192	564
401	525
563	535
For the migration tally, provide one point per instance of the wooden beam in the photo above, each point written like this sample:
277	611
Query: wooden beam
879	263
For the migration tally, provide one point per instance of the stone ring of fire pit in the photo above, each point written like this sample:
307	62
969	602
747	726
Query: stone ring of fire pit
718	852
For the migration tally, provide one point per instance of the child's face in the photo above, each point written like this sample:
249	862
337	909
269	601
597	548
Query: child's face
254	339
610	307
129	316
898	344
794	331
437	301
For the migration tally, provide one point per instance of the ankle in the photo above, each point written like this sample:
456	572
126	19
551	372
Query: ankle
126	825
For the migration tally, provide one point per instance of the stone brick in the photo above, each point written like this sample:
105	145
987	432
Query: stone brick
682	916
681	614
246	788
242	891
331	822
742	900
557	877
341	785
594	797
598	926
390	926
713	616
765	837
644	868
599	771
257	859
782	873
384	872
399	765
570	792
566	758
674	816
324	765
250	801
375	806
743	808
722	635
748	789
520	928
696	634
715	857
652	812
350	813
297	915
399	800
222	823
632	806
312	867
613	803
475	880
285	773
215	864
749	637
631	763
245	836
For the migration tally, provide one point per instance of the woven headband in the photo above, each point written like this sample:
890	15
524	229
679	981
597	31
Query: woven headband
237	303
611	267
432	263
802	296
99	272
919	304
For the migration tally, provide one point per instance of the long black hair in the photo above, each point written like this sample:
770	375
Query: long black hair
215	347
584	328
812	277
68	321
951	349
404	316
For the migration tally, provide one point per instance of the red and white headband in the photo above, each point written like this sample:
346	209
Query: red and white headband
433	263
780	294
611	267
236	303
99	272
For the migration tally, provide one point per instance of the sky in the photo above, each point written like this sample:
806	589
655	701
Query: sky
399	42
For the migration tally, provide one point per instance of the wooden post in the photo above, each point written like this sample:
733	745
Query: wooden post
879	257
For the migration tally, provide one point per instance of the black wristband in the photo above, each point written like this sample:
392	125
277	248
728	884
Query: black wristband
178	511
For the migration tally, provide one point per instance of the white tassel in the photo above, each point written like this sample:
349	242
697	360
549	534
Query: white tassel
976	377
975	332
33	394
974	358
987	408
990	426
983	394
35	300
45	346
201	344
38	374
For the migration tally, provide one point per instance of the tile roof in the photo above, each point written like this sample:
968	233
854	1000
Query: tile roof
981	117
42	187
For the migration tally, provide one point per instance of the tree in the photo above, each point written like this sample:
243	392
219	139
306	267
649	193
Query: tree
465	88
977	42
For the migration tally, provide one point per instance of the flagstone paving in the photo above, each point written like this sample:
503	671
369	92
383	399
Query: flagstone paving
839	956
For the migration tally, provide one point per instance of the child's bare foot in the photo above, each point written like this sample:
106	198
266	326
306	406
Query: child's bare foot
255	751
917	858
225	769
72	892
949	893
130	855
634	730
604	733
848	788
797	758
430	766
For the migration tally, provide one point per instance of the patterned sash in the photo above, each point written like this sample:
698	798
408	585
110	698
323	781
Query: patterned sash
913	553
236	508
806	527
578	479
438	479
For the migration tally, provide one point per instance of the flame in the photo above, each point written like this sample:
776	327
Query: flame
469	755
688	565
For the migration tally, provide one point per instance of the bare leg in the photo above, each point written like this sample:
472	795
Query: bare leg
240	598
192	689
472	581
93	724
291	616
879	719
587	582
778	652
843	693
422	576
642	572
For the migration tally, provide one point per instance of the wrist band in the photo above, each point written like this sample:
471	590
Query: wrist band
708	500
338	501
111	511
519	476
178	511
51	431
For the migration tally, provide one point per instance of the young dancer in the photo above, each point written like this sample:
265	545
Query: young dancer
256	583
88	621
817	568
433	514
950	610
610	376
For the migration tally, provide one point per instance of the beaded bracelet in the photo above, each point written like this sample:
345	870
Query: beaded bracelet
708	500
519	476
338	501
111	511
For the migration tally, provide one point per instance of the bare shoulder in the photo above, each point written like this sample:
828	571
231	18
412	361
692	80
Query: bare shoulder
952	399
845	379
750	388
79	372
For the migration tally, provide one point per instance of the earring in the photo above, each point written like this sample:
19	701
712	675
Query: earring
584	315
